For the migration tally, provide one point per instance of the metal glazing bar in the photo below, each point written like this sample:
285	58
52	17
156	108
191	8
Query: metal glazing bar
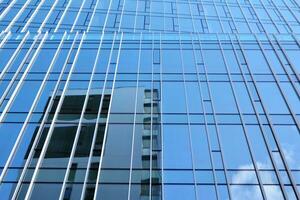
219	18
38	95
11	4
297	74
258	117
279	86
97	119
13	57
77	16
161	121
31	153
108	118
12	80
93	14
122	13
283	66
21	81
245	133
105	21
242	11
291	10
47	16
63	16
273	22
32	16
50	132
188	119
216	123
135	16
257	16
6	37
134	116
75	142
16	17
268	118
205	121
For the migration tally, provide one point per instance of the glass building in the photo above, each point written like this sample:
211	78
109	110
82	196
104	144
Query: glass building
150	99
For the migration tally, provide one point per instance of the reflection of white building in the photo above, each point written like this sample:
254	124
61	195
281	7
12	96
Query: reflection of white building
118	147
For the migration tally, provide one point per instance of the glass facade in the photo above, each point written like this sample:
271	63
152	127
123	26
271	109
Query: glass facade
150	100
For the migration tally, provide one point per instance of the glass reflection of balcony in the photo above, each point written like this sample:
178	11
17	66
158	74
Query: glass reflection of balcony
73	104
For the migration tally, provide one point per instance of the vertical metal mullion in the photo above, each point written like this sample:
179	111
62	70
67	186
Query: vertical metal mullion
296	17
287	23
204	16
12	80
134	117
150	14
77	134
193	22
279	86
291	111
50	132
258	119
62	16
12	57
105	21
243	122
218	16
21	81
32	16
283	66
2	33
188	119
271	126
121	17
16	17
232	18
164	17
5	39
257	16
135	18
152	113
206	125
179	30
93	14
108	118
38	95
77	16
297	74
47	16
242	11
7	9
101	102
216	124
151	120
161	120
263	5
51	101
98	116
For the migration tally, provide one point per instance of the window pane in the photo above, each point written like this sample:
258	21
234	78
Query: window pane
177	153
222	97
235	148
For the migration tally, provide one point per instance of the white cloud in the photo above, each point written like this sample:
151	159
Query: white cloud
253	192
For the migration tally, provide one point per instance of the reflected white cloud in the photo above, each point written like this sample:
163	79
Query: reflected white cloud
273	192
290	155
253	192
245	192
